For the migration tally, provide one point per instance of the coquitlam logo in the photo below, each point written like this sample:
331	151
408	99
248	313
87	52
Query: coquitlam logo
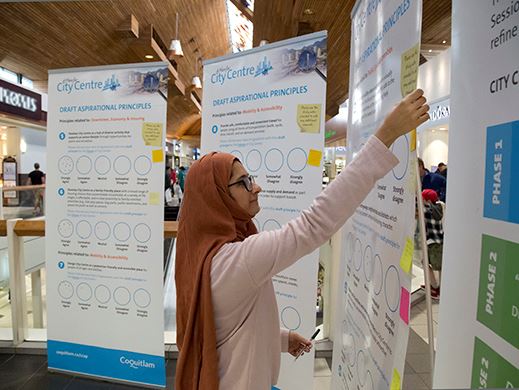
136	364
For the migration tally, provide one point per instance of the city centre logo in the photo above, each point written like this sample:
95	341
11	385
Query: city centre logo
136	364
111	83
263	68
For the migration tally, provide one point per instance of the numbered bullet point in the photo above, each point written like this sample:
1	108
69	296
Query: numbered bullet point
61	192
62	136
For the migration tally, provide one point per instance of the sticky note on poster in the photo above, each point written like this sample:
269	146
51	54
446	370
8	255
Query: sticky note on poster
412	140
154	198
152	133
309	117
157	155
395	382
404	305
409	69
314	157
407	255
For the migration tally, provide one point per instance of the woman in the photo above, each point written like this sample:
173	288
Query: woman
228	331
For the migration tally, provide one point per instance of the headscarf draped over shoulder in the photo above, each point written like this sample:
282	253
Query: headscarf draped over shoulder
209	218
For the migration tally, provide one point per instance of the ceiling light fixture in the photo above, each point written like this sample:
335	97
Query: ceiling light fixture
196	82
175	48
444	41
263	42
430	50
148	56
308	11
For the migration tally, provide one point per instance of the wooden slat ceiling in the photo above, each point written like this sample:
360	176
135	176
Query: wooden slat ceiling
35	37
275	20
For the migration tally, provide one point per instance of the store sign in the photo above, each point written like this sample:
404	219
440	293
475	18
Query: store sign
19	101
440	110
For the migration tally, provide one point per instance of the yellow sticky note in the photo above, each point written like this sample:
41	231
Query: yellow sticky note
157	155
152	133
154	198
314	157
407	255
309	117
409	69
412	140
395	382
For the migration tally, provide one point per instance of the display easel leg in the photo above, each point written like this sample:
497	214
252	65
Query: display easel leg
425	264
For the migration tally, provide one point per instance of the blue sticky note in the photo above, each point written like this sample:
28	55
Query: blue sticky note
502	172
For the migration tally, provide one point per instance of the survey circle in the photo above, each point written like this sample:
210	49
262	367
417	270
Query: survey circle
66	165
253	160
122	296
122	231
102	230
238	154
65	228
142	232
400	149
361	367
357	255
368	263
102	165
84	165
290	318
122	165
274	160
392	288
271	224
142	165
142	298
377	274
84	291
102	293
83	229
296	160
65	289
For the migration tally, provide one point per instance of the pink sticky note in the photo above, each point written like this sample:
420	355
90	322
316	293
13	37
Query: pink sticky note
404	305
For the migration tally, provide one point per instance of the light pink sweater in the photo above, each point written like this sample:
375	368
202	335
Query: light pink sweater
249	339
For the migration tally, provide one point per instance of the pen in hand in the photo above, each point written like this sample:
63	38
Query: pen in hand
311	339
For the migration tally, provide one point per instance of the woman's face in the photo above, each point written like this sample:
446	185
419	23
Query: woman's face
247	200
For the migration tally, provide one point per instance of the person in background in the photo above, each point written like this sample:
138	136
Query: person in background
167	178
442	170
37	177
433	215
228	330
432	181
181	177
173	175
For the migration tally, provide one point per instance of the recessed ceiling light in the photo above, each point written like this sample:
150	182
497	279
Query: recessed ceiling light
444	41
443	128
148	56
430	50
308	11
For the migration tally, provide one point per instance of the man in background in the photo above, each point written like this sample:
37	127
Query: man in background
432	181
37	177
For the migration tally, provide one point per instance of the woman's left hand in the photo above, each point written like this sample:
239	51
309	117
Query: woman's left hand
297	343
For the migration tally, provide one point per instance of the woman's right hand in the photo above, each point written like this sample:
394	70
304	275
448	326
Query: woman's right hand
407	115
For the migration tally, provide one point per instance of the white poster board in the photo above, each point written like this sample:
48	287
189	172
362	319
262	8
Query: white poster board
267	107
104	224
372	311
478	339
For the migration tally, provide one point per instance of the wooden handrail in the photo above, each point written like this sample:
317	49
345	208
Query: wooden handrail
36	228
23	188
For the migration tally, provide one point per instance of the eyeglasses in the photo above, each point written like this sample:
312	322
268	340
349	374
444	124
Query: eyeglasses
247	181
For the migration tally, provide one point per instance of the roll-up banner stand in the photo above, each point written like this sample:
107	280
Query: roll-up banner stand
267	107
104	224
373	302
478	340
